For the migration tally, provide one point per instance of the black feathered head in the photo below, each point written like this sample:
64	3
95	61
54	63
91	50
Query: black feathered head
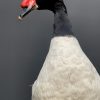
52	5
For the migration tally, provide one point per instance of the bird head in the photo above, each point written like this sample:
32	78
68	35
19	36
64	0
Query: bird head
29	5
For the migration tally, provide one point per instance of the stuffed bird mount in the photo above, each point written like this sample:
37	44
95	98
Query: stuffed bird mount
67	73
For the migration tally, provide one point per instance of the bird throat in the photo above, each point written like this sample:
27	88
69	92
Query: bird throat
62	25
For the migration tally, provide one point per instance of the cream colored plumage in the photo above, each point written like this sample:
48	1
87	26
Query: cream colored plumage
67	73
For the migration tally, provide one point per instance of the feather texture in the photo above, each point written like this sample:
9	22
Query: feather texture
67	73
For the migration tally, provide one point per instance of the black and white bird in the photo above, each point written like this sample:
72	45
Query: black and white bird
67	73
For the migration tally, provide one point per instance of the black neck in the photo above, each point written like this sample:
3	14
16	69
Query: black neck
62	25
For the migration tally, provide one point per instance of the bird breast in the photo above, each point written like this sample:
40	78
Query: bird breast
67	73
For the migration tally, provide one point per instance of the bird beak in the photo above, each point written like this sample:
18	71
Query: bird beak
27	11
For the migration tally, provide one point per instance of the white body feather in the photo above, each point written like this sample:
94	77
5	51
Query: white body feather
67	73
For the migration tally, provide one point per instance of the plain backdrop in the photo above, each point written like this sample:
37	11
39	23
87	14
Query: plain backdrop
24	45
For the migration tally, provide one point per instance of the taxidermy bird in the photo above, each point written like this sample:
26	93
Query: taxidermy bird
67	73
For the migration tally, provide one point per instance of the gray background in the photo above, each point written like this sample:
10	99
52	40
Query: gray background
24	45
